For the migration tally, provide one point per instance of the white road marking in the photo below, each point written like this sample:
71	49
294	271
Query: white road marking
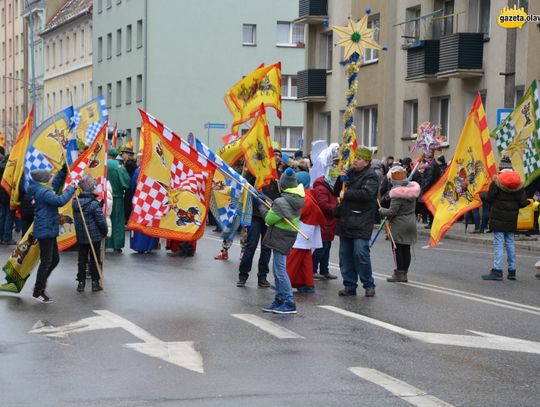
473	252
404	391
482	341
516	306
183	354
268	326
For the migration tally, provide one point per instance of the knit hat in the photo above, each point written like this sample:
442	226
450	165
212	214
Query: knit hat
441	160
87	184
41	175
303	178
298	154
398	176
113	152
288	179
364	153
505	164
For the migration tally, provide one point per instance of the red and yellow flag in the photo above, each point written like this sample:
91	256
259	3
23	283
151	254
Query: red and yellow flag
114	134
173	190
262	86
93	161
15	166
258	153
469	174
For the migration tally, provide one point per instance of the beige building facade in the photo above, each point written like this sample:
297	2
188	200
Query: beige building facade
14	89
67	44
440	54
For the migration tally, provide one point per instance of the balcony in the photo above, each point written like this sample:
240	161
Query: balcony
312	11
312	85
461	56
423	61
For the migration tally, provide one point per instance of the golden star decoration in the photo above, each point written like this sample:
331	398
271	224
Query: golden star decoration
356	37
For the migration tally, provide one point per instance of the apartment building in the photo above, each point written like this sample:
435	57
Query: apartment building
441	53
13	85
178	59
67	53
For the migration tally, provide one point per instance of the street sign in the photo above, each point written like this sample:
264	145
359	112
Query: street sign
503	114
215	126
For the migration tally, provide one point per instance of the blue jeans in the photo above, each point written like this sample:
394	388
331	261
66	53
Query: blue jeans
355	262
321	258
256	232
6	222
503	240
281	278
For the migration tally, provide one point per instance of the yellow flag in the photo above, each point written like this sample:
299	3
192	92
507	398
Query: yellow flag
15	166
2	140
231	153
469	174
93	161
258	152
262	86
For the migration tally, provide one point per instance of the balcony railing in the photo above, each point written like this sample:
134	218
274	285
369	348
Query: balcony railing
312	85
423	61
312	11
461	55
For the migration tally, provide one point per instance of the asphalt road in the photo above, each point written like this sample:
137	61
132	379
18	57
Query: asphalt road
410	345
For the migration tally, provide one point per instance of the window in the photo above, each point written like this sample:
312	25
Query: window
99	6
82	43
118	93
128	38
47	56
367	135
249	34
100	91
325	125
410	118
54	54
53	102
109	46
327	47
524	4
372	55
60	56
9	15
128	91
67	50
440	114
484	16
520	90
289	137
139	33
10	47
83	96
119	41
100	49
109	3
290	34
138	96
60	99
289	87
16	44
448	10
108	97
412	28
74	95
3	18
3	50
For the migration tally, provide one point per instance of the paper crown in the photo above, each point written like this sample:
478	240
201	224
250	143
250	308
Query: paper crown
364	153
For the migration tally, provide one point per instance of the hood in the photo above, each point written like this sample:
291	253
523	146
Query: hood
508	181
85	198
34	187
409	191
322	182
298	190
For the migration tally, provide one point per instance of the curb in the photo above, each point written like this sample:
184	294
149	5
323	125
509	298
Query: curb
531	246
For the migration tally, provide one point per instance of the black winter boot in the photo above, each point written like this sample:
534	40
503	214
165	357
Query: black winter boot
494	274
399	276
96	286
511	274
80	286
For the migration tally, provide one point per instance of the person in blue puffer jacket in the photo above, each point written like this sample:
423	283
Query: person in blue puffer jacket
43	187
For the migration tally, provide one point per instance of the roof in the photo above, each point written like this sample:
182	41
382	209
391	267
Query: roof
69	11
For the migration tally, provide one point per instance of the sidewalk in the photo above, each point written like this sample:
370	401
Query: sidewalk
457	232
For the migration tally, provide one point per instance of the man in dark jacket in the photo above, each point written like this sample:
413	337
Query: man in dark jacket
43	188
356	214
505	197
96	225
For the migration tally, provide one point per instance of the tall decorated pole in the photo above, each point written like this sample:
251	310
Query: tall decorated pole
355	37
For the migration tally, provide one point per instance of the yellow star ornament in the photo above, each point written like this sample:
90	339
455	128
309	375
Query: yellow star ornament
356	37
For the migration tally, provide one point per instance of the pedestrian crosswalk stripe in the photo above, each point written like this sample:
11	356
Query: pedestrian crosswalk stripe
268	326
403	390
